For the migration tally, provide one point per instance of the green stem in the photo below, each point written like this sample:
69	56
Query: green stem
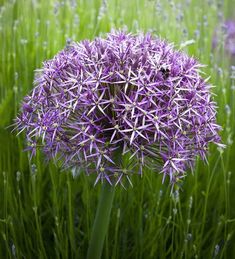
101	222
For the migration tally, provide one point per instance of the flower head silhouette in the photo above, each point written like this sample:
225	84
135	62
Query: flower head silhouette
125	96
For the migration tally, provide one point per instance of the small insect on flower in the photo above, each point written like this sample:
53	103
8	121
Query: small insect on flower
121	98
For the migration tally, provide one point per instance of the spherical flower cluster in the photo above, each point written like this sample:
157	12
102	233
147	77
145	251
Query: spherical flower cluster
229	37
117	104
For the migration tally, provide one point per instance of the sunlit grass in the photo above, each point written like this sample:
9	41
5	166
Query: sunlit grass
46	213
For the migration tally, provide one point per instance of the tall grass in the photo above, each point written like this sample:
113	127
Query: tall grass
47	213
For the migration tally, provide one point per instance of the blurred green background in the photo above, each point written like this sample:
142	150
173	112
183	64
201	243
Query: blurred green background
48	213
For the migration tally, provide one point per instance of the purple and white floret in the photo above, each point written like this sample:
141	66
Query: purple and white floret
117	104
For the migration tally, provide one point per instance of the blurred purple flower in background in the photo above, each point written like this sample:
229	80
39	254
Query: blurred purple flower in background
115	105
228	34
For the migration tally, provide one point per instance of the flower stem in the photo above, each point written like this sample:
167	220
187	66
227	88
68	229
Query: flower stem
101	222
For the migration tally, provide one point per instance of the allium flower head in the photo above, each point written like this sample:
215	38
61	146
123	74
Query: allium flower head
229	37
117	104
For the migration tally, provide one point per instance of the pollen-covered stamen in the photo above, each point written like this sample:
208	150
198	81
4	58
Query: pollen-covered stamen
92	138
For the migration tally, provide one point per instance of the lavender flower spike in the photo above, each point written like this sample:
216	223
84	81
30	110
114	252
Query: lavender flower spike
125	96
229	37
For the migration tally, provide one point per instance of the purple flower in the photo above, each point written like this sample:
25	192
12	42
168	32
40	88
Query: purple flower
115	105
229	37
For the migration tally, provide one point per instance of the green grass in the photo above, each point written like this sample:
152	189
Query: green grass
46	213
